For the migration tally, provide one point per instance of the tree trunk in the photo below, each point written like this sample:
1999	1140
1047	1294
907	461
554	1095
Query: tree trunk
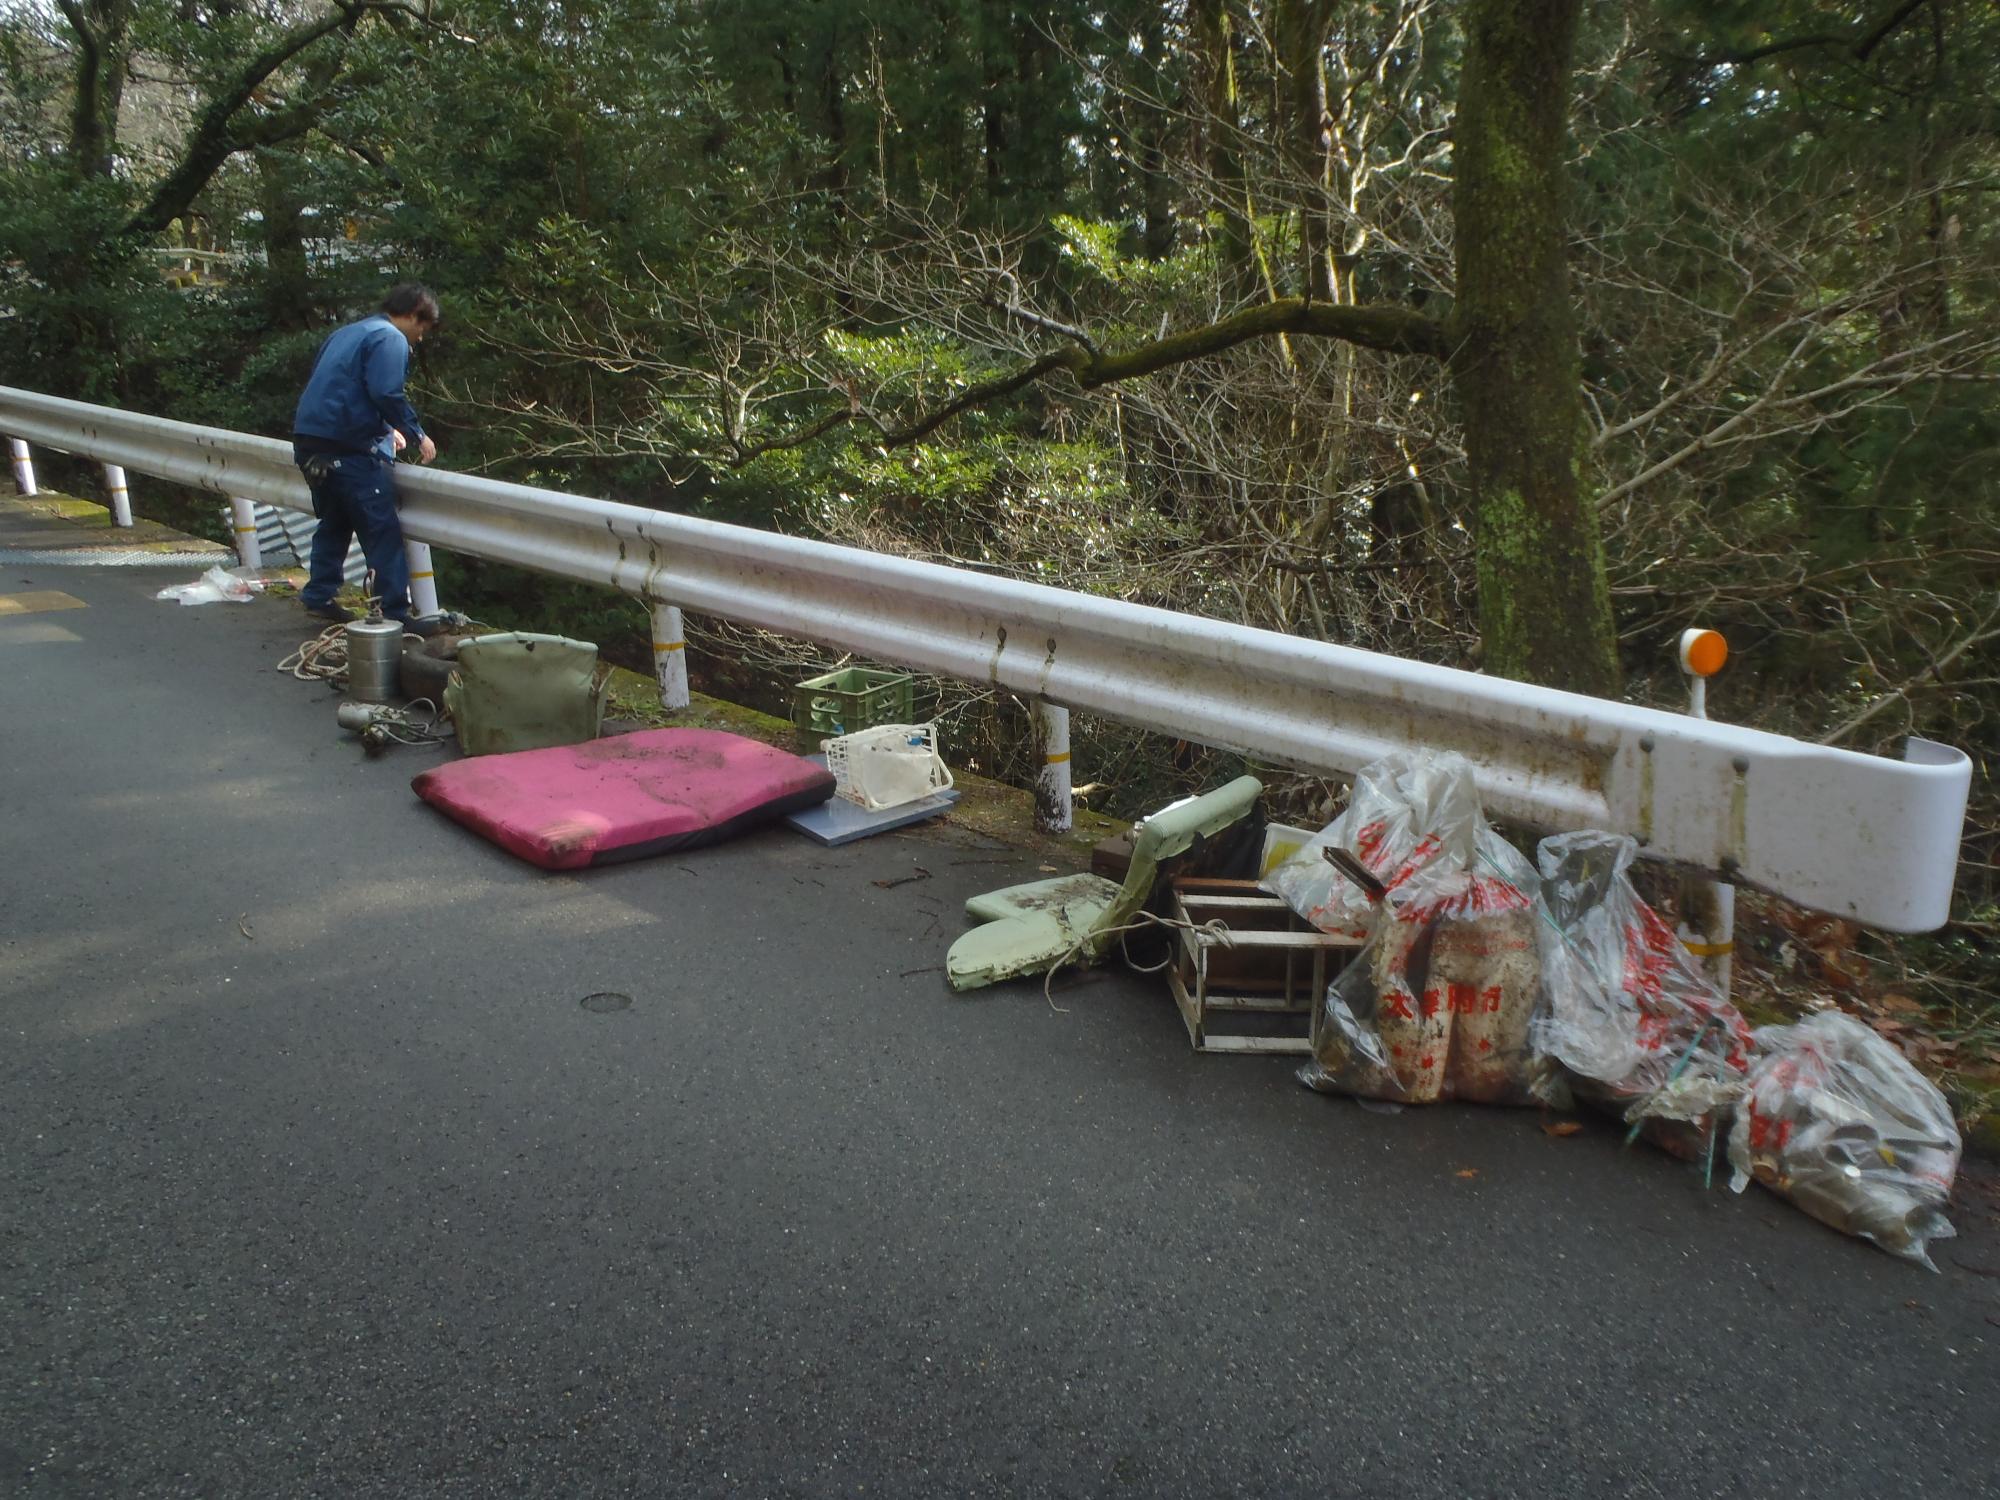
287	278
103	57
1152	125
1213	106
1544	606
1300	29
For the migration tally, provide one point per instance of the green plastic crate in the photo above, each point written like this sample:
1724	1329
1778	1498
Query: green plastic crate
850	699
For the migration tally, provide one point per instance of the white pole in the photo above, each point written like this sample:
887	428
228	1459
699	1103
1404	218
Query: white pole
243	517
24	466
423	579
1724	935
121	497
1053	810
670	662
1708	924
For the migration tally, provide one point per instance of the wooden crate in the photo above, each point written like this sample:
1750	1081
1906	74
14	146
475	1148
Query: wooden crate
1268	963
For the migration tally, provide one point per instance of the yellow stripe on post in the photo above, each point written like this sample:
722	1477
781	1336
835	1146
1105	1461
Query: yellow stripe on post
1056	760
670	645
1708	950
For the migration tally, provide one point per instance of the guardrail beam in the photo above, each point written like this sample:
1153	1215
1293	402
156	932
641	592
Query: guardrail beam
1860	836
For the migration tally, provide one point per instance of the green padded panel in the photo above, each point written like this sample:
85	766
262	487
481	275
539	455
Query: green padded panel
1030	927
1069	894
1028	944
524	692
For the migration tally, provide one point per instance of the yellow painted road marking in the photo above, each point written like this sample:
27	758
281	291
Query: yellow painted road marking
37	603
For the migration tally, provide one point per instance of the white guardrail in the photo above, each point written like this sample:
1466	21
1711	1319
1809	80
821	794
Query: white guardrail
1857	835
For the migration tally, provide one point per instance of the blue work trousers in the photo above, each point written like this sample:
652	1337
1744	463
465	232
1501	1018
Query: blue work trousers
355	496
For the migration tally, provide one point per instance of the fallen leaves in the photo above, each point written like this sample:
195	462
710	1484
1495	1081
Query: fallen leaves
1561	1128
1466	1173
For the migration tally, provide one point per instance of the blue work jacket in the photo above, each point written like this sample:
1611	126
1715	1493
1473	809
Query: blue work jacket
355	395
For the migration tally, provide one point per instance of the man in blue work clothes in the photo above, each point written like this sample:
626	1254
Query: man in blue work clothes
352	421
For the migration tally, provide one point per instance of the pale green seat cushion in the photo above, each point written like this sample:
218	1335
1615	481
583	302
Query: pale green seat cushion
1033	926
1030	943
1075	899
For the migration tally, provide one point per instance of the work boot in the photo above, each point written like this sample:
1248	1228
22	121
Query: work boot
330	612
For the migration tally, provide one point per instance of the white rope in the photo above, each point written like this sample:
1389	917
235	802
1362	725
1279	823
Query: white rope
1214	926
323	658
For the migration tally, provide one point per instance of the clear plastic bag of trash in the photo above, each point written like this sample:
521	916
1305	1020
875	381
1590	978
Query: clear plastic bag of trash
1630	1018
214	586
1438	1003
1406	813
1838	1121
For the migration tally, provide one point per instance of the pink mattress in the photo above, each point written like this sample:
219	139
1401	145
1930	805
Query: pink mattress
625	796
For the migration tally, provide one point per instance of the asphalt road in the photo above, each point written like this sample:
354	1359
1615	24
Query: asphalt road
317	1178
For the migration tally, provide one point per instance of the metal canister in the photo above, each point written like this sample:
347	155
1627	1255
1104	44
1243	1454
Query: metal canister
374	651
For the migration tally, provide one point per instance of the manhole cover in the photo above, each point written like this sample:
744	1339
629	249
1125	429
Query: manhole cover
604	1002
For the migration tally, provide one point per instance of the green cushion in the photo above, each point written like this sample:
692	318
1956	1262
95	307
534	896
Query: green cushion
1080	897
518	691
1031	927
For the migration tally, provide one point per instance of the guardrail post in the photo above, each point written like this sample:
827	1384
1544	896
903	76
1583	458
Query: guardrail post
121	497
1708	907
670	656
24	466
1053	809
243	520
423	579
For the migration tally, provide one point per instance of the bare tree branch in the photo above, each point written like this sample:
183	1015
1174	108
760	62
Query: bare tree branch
220	133
1978	635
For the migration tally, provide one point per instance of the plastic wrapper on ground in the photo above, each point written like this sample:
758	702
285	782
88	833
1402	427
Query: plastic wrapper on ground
1630	1019
1439	1003
216	586
1838	1121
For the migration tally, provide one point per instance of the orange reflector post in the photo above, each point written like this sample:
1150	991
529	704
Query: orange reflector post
1703	652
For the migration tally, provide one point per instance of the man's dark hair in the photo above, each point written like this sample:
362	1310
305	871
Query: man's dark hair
412	297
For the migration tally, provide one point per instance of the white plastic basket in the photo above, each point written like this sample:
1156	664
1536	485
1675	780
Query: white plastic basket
887	765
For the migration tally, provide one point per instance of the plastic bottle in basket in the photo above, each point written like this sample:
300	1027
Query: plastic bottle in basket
888	765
